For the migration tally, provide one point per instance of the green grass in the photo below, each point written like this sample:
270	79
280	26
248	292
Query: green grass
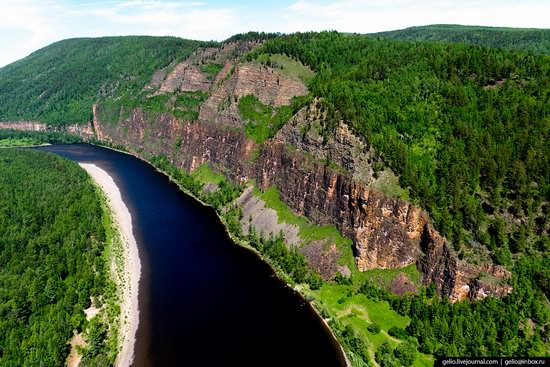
384	277
262	121
19	142
211	70
388	183
187	105
358	311
204	174
287	66
307	230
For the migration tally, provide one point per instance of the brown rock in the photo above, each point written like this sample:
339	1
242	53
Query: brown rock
402	285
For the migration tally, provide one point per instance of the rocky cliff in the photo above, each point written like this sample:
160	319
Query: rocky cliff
329	179
85	131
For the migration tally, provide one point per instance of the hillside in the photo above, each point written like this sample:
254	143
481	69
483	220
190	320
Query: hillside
520	39
386	177
59	83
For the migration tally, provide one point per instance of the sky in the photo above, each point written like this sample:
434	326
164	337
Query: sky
27	25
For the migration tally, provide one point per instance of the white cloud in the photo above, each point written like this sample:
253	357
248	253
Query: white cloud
378	15
30	24
26	25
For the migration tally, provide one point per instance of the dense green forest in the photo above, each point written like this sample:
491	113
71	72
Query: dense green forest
52	236
59	83
526	39
466	128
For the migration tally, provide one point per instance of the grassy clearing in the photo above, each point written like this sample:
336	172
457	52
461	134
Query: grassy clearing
388	183
262	121
384	277
211	70
19	142
358	311
287	66
204	174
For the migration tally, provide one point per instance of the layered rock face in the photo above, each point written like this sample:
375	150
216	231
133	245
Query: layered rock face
184	144
385	231
269	85
455	278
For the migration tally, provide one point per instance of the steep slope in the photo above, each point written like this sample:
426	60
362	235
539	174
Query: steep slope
520	39
59	83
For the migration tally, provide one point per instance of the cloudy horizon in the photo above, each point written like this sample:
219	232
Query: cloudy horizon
27	25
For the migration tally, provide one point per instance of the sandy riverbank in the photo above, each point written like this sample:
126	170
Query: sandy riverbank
129	286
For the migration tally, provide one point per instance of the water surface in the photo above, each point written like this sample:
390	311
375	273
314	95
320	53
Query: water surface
204	301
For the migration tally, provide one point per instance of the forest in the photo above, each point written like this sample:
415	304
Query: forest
521	39
41	88
465	127
52	238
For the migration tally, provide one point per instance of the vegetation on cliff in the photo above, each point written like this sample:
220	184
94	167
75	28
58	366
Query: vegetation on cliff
59	83
465	127
52	236
521	39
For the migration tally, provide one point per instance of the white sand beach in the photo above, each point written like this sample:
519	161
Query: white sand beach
129	286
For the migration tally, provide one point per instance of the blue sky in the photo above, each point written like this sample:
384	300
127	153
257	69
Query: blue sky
26	25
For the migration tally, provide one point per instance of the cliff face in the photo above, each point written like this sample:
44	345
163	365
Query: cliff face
85	131
235	81
184	144
385	231
329	180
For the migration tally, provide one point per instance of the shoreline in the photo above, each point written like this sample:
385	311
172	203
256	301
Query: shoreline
244	244
129	284
240	242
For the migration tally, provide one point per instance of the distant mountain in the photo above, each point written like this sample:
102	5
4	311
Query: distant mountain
523	39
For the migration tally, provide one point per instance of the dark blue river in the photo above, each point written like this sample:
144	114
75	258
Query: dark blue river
205	301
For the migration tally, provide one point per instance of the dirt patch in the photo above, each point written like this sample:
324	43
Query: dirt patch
322	256
401	285
74	358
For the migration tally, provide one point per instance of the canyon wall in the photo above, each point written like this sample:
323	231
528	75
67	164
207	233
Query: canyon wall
330	181
85	131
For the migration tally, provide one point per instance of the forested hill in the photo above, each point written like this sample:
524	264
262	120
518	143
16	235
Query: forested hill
59	83
465	128
525	39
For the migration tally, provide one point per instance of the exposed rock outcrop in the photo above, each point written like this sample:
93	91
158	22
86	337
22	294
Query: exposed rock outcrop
343	148
269	85
264	220
186	145
386	231
185	77
83	130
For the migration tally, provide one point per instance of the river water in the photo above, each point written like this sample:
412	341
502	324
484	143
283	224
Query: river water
205	301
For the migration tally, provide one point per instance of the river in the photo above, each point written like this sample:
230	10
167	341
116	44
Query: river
204	301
